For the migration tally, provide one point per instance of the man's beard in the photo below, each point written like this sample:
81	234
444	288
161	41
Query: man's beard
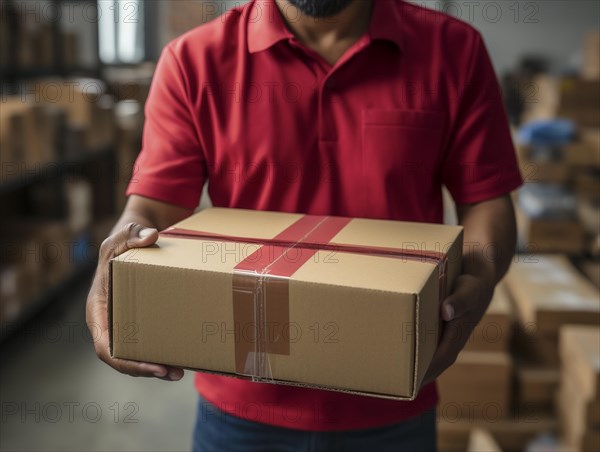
320	8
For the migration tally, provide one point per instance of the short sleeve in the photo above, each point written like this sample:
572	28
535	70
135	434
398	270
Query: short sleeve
480	163
170	166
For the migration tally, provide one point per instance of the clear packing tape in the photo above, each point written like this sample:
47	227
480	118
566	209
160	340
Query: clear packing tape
260	285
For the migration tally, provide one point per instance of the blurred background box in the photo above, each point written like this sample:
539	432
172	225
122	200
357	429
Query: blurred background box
548	292
477	385
536	387
87	105
591	57
513	434
547	235
482	440
579	396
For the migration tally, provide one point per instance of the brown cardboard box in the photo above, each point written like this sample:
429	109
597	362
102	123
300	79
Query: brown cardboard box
477	385
536	387
86	104
481	440
591	269
549	292
535	349
585	152
591	57
538	235
512	434
532	170
579	395
576	413
588	212
570	98
70	49
546	172
194	301
587	185
494	330
579	353
16	129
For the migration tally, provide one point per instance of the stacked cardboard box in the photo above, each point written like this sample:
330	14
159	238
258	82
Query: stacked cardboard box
512	434
482	441
547	292
28	40
462	389
30	135
579	395
566	97
546	207
590	69
477	388
90	111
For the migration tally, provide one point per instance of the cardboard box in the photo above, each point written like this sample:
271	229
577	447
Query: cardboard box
571	98
578	415
548	292
536	387
477	385
576	412
591	269
511	434
538	235
590	69
535	349
481	440
585	151
494	330
546	172
580	352
194	300
587	185
588	212
86	105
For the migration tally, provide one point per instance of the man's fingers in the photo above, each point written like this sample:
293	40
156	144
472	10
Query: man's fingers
466	289
136	368
132	235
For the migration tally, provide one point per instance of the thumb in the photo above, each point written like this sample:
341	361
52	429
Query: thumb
142	237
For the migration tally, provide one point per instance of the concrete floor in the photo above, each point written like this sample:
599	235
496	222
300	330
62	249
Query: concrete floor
57	396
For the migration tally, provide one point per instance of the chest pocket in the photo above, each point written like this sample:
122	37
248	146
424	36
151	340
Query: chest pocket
401	143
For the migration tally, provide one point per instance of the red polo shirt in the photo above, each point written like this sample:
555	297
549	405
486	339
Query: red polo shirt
243	105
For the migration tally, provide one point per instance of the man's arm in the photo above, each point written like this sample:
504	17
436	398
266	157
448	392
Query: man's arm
489	245
138	227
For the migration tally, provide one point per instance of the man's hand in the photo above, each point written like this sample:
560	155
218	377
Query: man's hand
490	240
461	312
131	235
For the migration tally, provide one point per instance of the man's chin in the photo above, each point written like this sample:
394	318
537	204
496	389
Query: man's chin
320	8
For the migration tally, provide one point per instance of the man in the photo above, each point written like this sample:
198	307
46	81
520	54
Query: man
338	107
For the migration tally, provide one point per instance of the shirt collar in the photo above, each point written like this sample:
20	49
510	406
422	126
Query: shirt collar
266	26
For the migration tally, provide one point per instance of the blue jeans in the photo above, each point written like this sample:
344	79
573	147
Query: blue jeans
217	431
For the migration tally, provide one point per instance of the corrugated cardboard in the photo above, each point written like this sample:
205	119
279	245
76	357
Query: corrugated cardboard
358	323
494	330
548	292
477	385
